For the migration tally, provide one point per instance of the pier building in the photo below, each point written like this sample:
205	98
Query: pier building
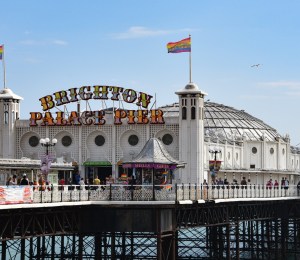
194	131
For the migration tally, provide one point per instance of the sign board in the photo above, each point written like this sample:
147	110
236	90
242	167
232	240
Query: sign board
95	117
15	194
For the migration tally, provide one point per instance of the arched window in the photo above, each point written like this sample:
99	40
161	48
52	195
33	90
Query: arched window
183	113
6	117
193	113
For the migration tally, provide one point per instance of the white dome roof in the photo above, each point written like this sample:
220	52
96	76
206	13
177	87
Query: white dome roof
190	88
7	93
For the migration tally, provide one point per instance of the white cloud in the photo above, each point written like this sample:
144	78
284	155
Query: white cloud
281	84
32	60
258	97
29	42
60	42
293	93
47	42
141	32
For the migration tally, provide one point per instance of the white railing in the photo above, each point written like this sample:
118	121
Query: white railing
213	192
117	192
113	192
170	192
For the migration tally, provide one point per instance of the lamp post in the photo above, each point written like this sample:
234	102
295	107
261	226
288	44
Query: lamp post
46	160
46	143
215	151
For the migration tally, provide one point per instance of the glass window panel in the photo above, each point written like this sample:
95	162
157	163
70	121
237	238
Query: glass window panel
255	134
230	123
224	122
211	123
207	114
218	123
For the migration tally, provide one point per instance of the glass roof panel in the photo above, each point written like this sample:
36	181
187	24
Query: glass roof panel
230	121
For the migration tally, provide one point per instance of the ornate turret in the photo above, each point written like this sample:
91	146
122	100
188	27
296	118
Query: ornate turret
191	133
9	113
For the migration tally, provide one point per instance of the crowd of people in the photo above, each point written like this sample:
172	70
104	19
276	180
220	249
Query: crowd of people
14	180
40	184
82	183
219	182
77	180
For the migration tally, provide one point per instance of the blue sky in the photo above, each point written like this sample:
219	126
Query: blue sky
56	45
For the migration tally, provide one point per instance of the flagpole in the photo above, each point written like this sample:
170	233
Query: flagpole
190	61
3	64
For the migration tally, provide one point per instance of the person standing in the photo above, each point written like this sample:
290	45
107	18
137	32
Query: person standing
269	184
24	180
205	189
282	183
14	180
82	184
298	188
96	182
286	183
61	184
61	181
77	178
70	184
9	181
276	184
42	183
244	183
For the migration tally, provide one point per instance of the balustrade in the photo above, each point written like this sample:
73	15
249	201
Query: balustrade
169	192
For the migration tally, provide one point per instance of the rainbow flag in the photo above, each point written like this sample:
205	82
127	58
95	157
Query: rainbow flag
1	51
181	46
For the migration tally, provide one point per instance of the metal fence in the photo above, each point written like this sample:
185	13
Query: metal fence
212	192
176	192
